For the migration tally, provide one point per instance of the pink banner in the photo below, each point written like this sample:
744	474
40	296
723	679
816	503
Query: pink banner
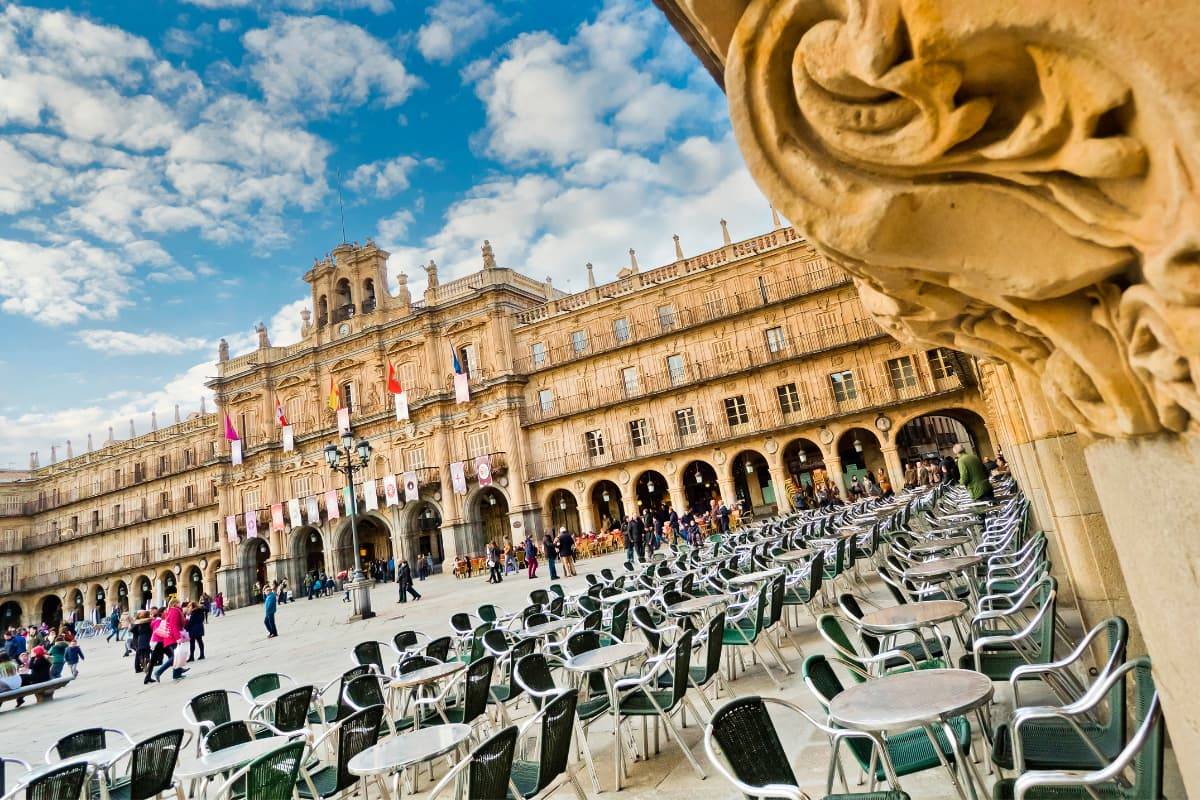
251	524
483	470
231	528
277	523
331	504
458	477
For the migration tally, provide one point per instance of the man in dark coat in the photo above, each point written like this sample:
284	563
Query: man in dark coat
405	582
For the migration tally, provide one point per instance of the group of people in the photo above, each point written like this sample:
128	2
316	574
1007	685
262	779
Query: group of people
37	654
961	467
157	635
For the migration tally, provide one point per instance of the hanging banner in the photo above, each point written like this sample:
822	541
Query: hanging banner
343	416
314	513
231	528
293	507
458	477
370	498
235	451
462	390
389	490
289	439
483	470
251	524
401	406
348	502
412	491
331	504
277	523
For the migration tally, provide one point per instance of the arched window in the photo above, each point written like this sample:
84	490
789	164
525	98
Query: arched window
322	311
368	303
343	301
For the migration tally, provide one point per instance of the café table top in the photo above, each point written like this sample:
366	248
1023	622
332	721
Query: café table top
102	758
754	577
406	749
941	566
906	699
913	615
792	556
633	594
938	545
424	675
605	657
697	604
228	759
553	626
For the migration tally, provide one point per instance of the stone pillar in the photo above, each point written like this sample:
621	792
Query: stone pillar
587	521
726	485
678	493
160	596
779	476
833	468
891	457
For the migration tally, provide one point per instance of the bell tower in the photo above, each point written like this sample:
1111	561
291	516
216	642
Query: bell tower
349	289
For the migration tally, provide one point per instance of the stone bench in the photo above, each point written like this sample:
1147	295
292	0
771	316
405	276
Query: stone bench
42	691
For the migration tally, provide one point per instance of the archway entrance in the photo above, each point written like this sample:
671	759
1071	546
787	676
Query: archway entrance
428	535
121	595
170	585
52	612
492	513
253	559
195	583
308	549
10	615
76	605
700	485
99	606
145	592
564	511
936	433
651	490
752	482
607	507
374	546
805	466
859	451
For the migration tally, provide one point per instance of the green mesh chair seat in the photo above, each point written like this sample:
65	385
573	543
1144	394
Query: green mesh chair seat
369	654
554	747
151	767
354	734
64	783
273	776
340	710
638	704
364	692
83	741
504	693
1053	744
474	703
211	707
228	734
1005	790
289	712
594	706
996	662
476	650
261	684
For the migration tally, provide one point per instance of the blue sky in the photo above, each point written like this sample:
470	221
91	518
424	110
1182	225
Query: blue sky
168	170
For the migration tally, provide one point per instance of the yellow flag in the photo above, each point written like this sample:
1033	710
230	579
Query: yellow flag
335	397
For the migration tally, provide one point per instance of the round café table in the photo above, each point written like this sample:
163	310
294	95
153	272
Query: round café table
633	594
604	660
696	605
413	681
914	616
396	753
928	571
760	576
930	546
230	759
101	761
928	699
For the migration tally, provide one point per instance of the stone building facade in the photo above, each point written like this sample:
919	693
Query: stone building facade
742	373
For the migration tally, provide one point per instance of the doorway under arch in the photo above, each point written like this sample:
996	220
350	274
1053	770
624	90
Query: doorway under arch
607	506
700	485
119	595
195	583
374	545
564	511
425	530
937	432
144	592
99	602
805	465
650	490
75	604
752	482
308	552
253	560
859	450
491	517
52	610
10	614
170	585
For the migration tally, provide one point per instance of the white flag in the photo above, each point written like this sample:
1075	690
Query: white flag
294	512
251	524
343	419
235	451
277	523
314	513
331	504
289	439
412	491
462	391
458	477
231	527
401	406
370	499
389	490
483	470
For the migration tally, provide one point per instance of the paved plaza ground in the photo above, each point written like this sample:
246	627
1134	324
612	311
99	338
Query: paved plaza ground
314	647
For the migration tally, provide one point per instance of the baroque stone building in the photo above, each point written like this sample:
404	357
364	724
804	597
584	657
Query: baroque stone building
742	372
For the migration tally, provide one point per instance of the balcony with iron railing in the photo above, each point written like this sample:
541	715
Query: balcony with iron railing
648	324
651	383
666	436
343	313
118	564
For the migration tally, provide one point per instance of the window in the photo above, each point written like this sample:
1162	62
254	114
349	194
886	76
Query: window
621	329
827	320
294	411
551	450
595	443
75	524
302	485
843	386
579	341
479	443
546	400
164	465
468	360
166	543
212	491
722	352
714	303
189	494
348	399
408	375
776	340
629	376
164	501
95	519
189	457
117	517
789	398
639	432
901	372
666	317
675	369
216	529
941	362
415	458
538	351
191	538
685	422
250	500
762	290
735	410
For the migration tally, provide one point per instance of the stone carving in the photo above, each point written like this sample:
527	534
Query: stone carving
223	351
995	181
431	275
264	340
489	257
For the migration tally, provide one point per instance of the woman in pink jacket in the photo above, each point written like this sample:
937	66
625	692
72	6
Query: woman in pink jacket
165	634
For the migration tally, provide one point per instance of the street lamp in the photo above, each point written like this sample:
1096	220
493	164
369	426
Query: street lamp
858	445
342	459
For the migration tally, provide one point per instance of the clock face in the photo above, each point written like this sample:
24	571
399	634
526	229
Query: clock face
344	328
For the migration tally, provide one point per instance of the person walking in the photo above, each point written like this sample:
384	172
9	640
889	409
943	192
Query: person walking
270	606
493	563
973	474
74	656
218	605
566	551
405	582
114	625
164	637
195	631
139	640
637	534
531	561
58	657
627	535
551	552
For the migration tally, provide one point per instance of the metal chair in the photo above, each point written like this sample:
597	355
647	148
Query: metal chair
266	682
83	741
555	723
65	783
370	653
4	762
490	768
207	710
354	734
439	648
272	776
151	768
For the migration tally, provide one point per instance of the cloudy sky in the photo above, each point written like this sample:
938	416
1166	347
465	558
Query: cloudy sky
168	171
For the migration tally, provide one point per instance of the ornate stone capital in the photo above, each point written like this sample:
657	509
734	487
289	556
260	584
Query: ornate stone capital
1010	179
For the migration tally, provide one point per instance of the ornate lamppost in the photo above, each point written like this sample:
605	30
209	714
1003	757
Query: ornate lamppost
342	459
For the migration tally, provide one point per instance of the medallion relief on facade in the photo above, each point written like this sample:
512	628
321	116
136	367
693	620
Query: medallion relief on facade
998	178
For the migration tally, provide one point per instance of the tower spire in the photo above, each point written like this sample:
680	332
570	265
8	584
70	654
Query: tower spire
678	248
725	232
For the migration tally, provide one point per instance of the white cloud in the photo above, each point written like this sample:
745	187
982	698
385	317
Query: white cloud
307	6
381	178
63	283
129	343
453	26
395	227
320	64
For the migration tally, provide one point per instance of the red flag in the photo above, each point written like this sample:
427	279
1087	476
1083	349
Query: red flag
393	383
279	417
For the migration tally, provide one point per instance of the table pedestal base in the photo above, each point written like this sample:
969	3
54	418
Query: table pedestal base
360	598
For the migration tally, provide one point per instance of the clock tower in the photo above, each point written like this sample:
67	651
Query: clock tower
349	288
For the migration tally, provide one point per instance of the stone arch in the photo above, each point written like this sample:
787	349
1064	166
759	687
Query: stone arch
944	427
488	520
50	610
343	294
860	450
563	510
118	595
368	296
650	489
141	592
170	584
421	522
252	555
210	575
75	603
804	465
607	503
193	582
98	599
753	483
374	543
307	554
11	614
700	485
